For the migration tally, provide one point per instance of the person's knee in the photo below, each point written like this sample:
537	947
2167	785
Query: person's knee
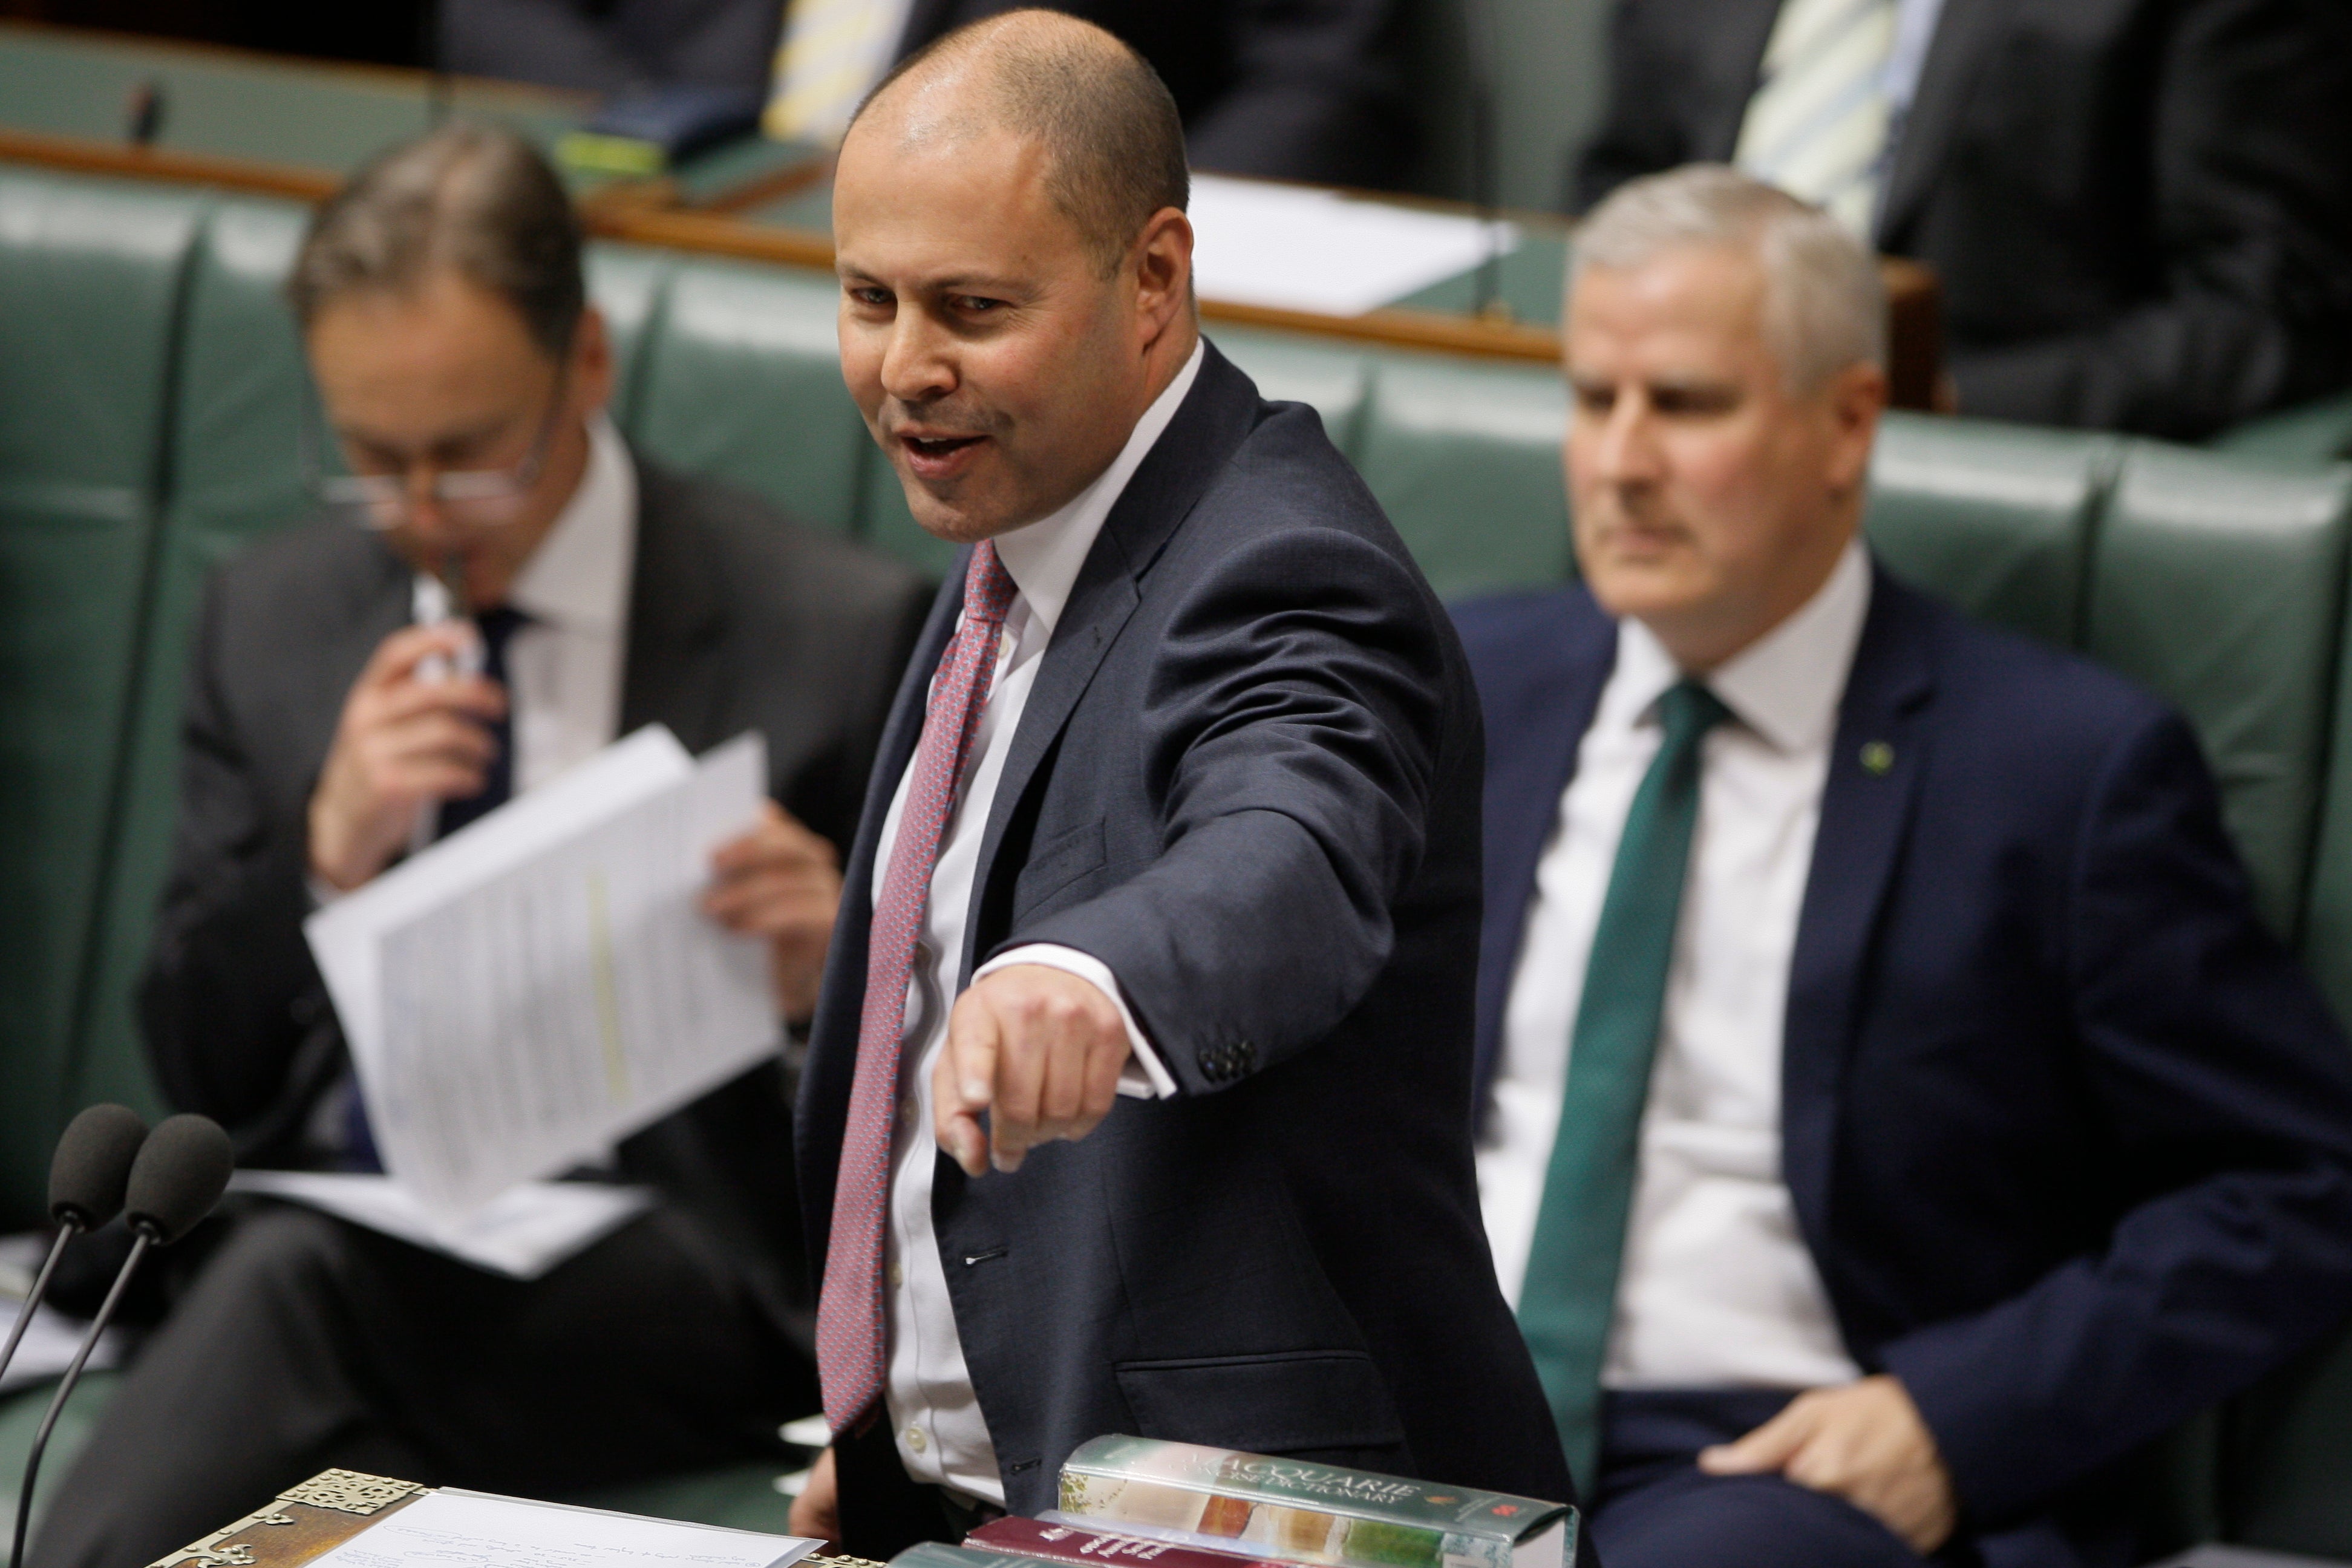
279	1255
1691	1521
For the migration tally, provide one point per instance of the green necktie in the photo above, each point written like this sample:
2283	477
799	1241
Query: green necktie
1572	1283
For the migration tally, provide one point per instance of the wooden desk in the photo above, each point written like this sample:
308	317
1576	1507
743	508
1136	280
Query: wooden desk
322	1513
246	121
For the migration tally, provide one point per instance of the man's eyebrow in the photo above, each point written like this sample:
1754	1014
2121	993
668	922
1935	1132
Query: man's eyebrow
951	283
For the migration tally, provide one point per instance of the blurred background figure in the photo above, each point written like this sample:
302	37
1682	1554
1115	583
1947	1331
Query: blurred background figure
2141	210
332	723
1307	91
612	46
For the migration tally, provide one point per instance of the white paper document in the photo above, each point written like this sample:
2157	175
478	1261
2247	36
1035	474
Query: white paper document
48	1346
540	985
1297	247
522	1233
477	1530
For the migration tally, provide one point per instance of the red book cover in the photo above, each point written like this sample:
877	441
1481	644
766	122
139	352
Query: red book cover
1068	1543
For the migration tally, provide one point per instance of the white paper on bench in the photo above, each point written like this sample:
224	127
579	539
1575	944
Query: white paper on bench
522	1233
481	1531
1298	247
529	990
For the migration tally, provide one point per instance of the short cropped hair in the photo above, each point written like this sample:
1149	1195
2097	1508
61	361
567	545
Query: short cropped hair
476	199
1824	305
1113	139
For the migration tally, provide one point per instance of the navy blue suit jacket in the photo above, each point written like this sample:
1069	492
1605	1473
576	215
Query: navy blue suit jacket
1247	780
2069	1134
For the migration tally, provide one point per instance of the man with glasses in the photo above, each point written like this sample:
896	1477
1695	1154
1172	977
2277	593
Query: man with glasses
502	589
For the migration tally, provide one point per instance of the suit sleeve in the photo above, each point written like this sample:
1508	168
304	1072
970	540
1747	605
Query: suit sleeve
1294	734
2221	1093
2250	304
231	1002
1318	94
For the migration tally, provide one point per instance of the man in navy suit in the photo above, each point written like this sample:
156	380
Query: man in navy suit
1180	798
1892	1111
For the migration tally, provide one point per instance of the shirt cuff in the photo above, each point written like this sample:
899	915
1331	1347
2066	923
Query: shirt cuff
1143	1076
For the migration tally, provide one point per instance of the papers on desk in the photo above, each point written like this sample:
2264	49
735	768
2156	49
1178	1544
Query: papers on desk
481	1531
50	1344
522	1233
538	985
1297	247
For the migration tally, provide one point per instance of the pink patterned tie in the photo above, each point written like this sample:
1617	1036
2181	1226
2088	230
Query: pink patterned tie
850	1344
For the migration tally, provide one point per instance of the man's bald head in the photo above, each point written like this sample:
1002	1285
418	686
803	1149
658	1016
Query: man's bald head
1113	140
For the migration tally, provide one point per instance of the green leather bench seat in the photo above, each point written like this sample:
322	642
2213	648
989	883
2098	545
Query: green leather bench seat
89	296
151	387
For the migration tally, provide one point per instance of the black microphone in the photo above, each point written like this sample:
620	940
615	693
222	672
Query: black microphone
87	1176
179	1174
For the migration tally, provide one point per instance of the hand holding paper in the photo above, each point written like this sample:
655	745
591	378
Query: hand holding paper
781	882
540	985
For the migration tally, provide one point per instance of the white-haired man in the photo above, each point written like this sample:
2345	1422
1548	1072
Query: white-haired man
1893	1112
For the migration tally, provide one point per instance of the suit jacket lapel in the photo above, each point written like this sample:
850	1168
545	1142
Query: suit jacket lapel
1966	31
1214	416
1536	713
1875	765
675	669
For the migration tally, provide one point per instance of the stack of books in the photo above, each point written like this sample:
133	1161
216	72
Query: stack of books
1179	1505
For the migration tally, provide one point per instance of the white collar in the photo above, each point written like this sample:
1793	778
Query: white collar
1044	557
578	578
1786	684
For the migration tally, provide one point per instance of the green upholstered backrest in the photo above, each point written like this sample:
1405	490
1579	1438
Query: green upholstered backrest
236	403
91	274
742	379
2218	583
2286	1457
1992	518
2309	431
1464	456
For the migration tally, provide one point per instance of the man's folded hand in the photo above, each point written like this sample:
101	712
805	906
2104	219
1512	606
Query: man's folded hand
1865	1442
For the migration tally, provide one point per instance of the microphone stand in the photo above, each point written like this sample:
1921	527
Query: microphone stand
143	1237
66	1231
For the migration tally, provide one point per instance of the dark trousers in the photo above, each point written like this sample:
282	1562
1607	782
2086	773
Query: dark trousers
307	1344
1656	1510
884	1510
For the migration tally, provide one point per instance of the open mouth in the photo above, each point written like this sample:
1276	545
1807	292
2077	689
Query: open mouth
940	458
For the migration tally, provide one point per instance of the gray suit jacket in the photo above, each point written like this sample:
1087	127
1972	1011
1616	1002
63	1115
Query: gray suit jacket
738	619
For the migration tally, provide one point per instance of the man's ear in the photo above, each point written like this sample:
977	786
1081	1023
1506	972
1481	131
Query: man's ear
1856	397
591	370
1162	263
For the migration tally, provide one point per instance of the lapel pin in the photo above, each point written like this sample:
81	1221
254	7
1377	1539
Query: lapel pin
1877	756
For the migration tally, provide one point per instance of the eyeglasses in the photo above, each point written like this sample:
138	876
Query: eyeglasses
475	496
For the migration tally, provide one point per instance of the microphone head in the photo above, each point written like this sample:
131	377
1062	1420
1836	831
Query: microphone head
182	1171
92	1165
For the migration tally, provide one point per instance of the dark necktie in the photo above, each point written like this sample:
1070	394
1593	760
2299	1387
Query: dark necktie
1570	1291
498	626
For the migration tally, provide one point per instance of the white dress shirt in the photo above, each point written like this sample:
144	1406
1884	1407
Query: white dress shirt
942	1438
1717	1288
